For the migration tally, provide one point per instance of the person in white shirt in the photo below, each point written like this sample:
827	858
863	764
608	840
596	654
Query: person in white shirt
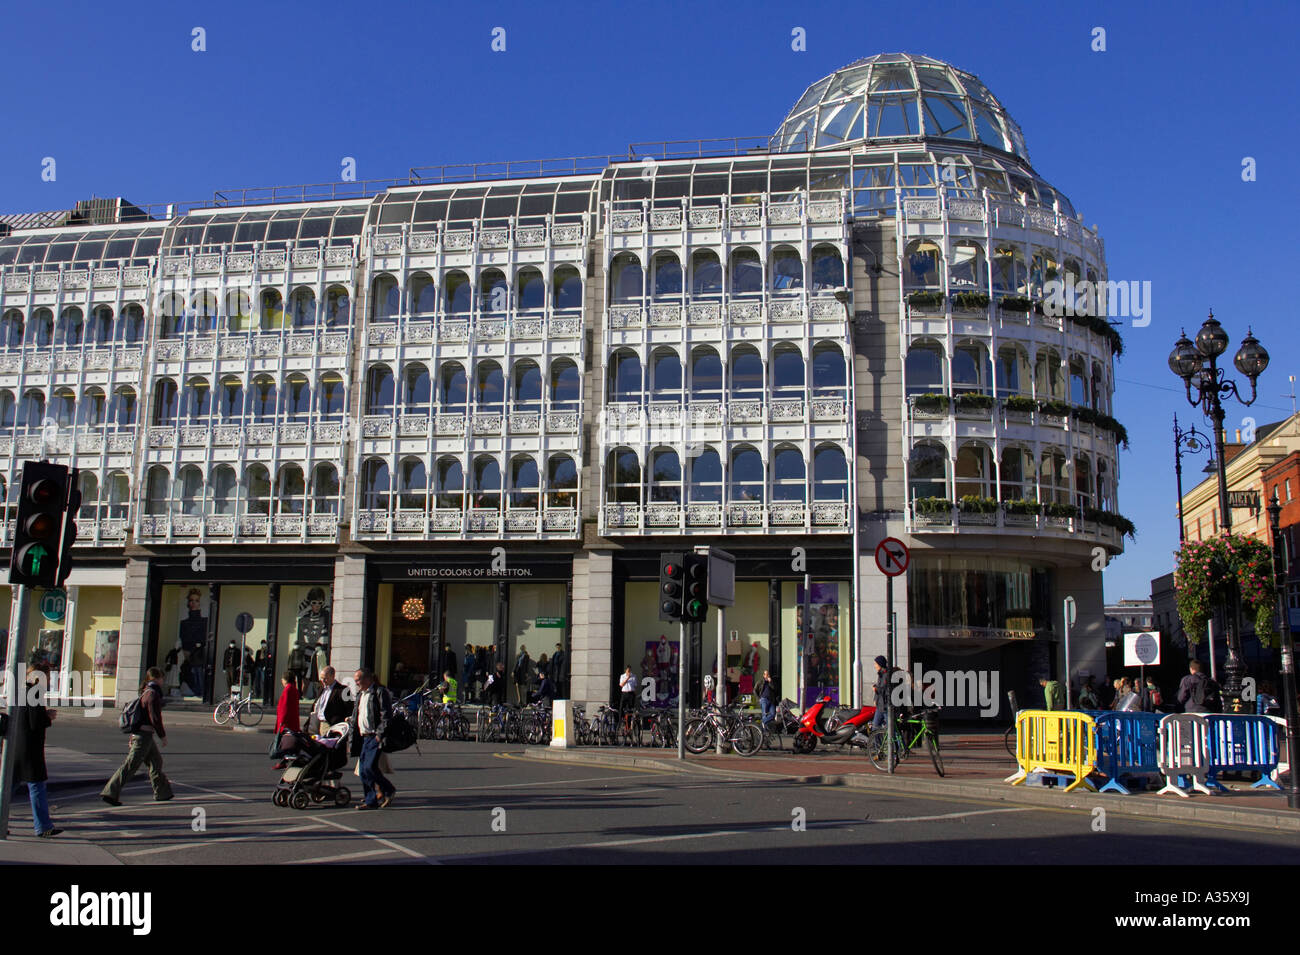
627	684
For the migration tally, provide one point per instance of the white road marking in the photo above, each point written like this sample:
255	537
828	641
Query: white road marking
351	855
379	839
950	815
145	807
192	843
213	792
550	782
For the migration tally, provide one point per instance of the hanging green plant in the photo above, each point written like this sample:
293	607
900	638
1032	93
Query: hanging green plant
1208	570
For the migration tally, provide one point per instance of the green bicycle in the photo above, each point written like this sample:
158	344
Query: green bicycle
910	731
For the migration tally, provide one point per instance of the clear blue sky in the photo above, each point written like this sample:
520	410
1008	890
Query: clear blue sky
1146	138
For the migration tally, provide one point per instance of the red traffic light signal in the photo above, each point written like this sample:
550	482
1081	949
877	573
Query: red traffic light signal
670	587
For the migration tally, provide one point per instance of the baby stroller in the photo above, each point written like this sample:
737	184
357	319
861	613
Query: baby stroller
314	770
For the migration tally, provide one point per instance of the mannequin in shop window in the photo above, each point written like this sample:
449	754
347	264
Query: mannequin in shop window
314	622
230	663
193	637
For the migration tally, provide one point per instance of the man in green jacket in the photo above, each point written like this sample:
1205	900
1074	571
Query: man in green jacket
1053	694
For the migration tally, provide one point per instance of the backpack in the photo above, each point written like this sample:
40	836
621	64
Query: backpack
1205	694
133	716
399	734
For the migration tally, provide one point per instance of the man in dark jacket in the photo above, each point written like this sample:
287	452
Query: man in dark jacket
1197	692
334	705
370	715
467	671
767	698
523	674
143	745
559	675
29	750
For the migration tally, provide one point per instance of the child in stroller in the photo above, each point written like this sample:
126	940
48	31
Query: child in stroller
314	770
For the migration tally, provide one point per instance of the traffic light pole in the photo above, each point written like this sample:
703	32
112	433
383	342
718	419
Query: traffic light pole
681	691
16	688
719	676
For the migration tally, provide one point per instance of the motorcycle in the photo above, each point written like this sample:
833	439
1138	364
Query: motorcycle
833	724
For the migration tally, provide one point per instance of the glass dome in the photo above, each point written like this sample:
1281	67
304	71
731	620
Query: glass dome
894	96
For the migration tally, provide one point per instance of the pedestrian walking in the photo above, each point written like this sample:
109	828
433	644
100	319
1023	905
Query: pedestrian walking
767	698
29	749
882	691
495	691
143	747
332	706
1053	694
1197	692
370	714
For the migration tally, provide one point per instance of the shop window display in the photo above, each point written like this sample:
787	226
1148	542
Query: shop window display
817	656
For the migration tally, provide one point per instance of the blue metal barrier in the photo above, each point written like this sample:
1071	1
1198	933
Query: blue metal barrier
1243	743
1127	745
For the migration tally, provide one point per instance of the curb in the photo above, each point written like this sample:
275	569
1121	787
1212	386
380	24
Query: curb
1192	810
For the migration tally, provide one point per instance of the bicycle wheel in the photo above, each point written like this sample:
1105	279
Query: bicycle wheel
480	727
748	739
932	744
221	715
250	714
699	736
878	750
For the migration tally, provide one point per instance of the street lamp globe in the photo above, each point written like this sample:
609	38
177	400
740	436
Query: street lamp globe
1184	360
1212	340
1252	358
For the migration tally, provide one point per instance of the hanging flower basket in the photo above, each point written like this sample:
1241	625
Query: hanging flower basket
1207	571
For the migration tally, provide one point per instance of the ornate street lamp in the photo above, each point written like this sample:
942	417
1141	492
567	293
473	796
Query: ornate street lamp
1288	656
1197	364
1193	441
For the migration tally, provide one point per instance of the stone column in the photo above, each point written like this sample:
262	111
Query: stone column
131	662
591	652
347	621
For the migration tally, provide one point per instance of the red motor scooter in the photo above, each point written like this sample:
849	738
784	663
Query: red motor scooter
831	723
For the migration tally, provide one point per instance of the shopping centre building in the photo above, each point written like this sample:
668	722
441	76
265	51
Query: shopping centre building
475	409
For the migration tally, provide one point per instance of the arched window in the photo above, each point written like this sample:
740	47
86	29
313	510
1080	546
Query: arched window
1103	486
11	328
257	489
453	388
787	372
8	410
171	313
746	373
203	314
386	299
829	374
706	374
746	475
626	281
487	483
156	487
417	393
746	272
830	474
88	485
489	386
379	390
119	495
787	270
561	482
297	398
239	311
665	376
1049	377
566	385
921	265
494	292
223	489
668	275
1016	478
1044	268
1097	393
924	368
623	477
528	386
451	485
625	378
928	471
524	481
1052	478
459	293
1013	371
303	306
414	485
189	491
706	274
198	399
1082	481
423	296
72	328
665	476
123	412
40	330
325	489
262	398
101	325
375	488
1080	393
530	289
1009	274
567	287
330	396
827	268
338	307
63	407
969	270
970	368
272	310
165	400
974	471
789	480
706	478
230	399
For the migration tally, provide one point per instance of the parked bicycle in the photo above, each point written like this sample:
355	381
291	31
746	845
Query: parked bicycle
702	732
911	730
660	724
243	708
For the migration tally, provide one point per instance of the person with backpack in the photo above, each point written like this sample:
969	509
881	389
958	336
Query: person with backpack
142	719
1197	692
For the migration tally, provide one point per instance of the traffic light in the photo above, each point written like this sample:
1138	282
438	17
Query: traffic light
695	607
670	587
34	559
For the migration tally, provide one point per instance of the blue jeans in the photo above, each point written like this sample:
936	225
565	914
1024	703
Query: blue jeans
40	807
769	710
878	718
370	774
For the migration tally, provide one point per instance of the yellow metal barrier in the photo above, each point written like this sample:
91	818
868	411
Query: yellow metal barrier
1061	741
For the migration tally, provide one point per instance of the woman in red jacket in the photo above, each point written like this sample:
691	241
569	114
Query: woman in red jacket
286	711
